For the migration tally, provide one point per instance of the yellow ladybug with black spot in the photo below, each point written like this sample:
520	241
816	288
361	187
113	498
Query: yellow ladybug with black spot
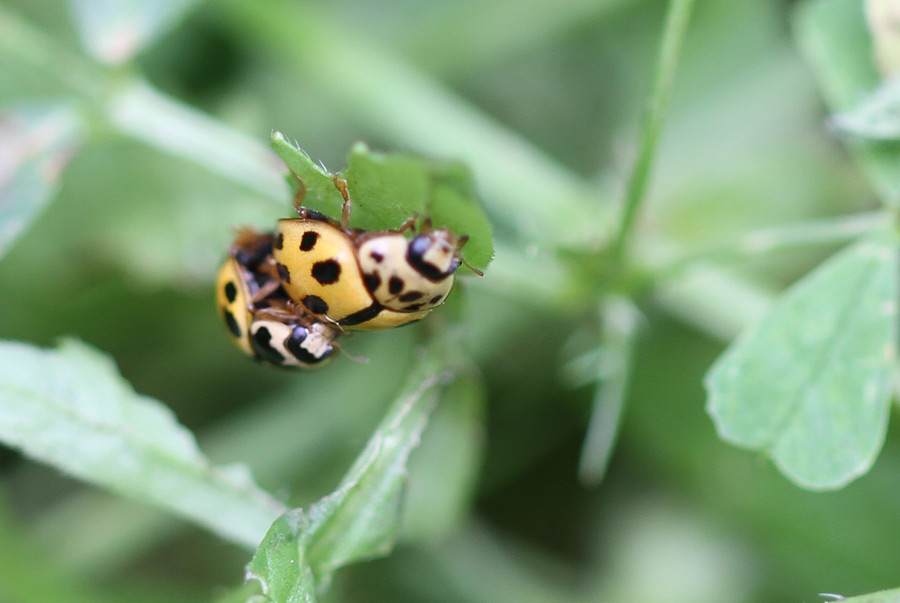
262	321
363	280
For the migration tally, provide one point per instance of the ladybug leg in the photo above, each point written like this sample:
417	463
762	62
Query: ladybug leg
278	313
299	195
341	185
265	291
410	222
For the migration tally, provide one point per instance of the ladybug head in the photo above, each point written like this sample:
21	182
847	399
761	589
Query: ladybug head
434	254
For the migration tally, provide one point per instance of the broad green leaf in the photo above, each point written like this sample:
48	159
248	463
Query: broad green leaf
810	385
36	143
386	190
113	31
361	518
883	596
70	408
834	37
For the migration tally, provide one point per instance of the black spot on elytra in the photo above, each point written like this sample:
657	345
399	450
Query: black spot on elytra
262	343
315	304
411	296
232	324
308	241
362	316
378	257
434	300
327	272
230	292
279	241
412	308
372	281
395	285
283	272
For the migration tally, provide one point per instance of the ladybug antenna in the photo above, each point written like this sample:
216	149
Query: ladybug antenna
360	359
471	267
459	245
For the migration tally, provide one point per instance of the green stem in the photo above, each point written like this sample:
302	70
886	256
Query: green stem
673	35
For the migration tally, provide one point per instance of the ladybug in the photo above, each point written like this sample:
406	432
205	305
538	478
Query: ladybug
262	321
363	280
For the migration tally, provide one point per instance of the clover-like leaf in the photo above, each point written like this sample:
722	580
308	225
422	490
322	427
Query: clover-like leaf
810	385
386	190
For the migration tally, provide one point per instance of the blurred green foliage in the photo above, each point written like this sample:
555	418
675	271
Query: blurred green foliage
542	101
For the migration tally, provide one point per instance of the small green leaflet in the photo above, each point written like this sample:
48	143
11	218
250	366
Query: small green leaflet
70	408
810	385
386	190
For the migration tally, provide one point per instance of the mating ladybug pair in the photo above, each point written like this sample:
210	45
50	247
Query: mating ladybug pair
286	296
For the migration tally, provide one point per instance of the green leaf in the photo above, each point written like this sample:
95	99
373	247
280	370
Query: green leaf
113	31
810	385
883	596
71	409
361	518
834	37
284	575
321	194
37	141
386	190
